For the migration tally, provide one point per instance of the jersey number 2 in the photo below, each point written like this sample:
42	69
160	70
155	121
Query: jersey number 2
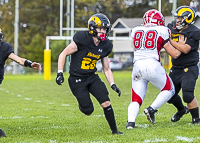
87	64
147	42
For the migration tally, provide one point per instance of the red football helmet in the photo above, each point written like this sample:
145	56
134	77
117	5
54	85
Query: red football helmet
153	16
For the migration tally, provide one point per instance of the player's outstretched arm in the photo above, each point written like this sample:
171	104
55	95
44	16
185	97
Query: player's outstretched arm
25	62
36	66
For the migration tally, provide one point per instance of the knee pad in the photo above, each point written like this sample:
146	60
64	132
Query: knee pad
86	110
188	96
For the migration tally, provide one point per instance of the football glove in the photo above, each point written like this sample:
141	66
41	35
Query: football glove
116	89
59	78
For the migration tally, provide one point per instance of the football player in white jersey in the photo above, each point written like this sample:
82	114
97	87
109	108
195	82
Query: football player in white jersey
148	40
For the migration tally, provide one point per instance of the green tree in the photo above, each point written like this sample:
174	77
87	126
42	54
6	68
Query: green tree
38	19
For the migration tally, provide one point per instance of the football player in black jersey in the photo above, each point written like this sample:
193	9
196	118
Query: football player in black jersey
86	49
184	71
6	51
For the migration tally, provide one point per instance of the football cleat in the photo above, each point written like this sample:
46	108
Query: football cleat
149	112
117	132
2	134
176	117
196	121
130	125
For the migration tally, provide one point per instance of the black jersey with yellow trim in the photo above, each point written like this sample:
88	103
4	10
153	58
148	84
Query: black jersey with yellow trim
193	36
83	62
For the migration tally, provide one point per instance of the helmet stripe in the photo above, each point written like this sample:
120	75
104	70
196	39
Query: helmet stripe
182	10
96	20
152	15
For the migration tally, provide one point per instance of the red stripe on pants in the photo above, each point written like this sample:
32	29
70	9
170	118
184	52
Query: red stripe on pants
136	98
167	85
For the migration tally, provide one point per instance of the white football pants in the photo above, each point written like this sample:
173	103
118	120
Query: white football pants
144	71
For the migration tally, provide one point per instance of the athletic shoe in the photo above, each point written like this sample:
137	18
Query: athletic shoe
149	112
195	121
130	125
2	134
176	117
117	132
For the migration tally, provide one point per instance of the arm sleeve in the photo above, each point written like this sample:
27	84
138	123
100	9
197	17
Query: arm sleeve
110	46
192	43
165	34
82	39
196	35
77	39
132	33
9	49
193	39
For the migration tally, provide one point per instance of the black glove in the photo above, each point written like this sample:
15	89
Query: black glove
174	24
59	78
116	89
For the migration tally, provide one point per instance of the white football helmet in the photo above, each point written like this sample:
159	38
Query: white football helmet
153	16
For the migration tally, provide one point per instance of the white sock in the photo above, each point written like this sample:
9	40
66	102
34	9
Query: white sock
133	110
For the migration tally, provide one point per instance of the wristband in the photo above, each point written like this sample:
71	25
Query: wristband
28	63
112	83
60	71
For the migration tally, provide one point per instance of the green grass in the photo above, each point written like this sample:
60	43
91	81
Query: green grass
33	110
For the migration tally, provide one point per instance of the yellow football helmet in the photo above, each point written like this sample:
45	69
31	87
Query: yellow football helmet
188	15
97	21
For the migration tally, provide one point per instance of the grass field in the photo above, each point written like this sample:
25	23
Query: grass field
33	110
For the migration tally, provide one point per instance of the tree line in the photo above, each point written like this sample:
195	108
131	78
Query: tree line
41	18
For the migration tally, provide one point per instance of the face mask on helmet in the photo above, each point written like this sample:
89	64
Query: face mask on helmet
187	15
153	17
99	21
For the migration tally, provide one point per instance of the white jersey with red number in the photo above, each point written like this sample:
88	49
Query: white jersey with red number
148	41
